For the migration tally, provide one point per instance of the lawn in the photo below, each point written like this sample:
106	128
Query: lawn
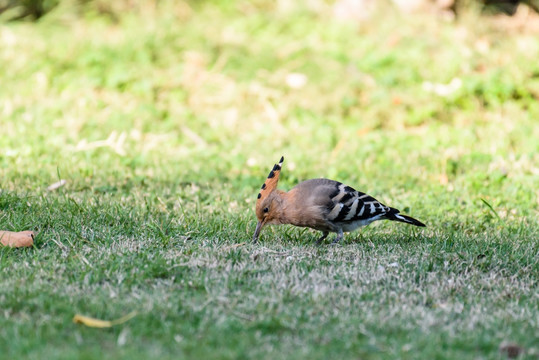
164	122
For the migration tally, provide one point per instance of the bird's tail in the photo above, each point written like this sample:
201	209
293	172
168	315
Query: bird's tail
395	215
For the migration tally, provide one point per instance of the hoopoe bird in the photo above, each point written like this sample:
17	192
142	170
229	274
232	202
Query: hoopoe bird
320	204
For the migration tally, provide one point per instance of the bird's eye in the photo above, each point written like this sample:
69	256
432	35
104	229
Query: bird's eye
266	210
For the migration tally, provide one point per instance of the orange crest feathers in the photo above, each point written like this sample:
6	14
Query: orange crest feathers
271	182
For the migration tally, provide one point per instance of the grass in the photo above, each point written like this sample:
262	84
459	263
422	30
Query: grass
164	123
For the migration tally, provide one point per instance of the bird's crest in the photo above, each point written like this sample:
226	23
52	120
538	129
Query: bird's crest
271	182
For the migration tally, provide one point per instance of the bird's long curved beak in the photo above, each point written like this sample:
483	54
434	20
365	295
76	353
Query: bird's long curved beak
257	231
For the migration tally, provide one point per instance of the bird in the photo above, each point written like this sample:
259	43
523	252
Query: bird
320	204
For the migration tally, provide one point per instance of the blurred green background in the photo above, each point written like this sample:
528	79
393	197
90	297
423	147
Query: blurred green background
218	91
164	118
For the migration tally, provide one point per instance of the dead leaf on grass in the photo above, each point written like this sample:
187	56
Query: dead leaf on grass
97	323
17	239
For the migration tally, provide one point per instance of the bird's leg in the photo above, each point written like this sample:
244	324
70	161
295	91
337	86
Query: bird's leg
324	235
338	237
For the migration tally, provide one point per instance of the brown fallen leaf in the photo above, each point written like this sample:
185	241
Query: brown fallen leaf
17	239
97	323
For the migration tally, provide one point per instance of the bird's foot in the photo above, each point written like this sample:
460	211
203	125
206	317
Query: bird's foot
324	235
338	238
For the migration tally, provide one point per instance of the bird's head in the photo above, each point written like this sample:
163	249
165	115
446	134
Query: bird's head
268	204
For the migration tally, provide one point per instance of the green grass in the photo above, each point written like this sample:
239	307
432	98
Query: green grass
164	123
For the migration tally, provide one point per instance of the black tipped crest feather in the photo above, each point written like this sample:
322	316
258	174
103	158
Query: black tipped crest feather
271	182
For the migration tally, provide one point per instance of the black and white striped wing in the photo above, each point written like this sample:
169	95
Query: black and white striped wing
348	205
